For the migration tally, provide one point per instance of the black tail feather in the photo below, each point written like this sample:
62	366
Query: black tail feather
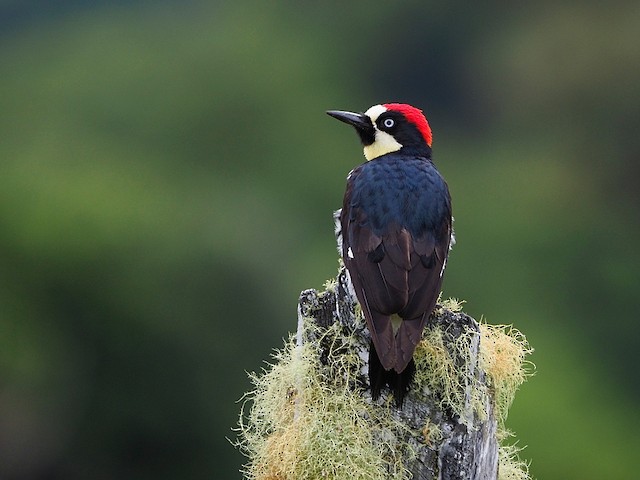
377	377
398	383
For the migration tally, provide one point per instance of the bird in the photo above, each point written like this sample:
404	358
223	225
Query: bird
396	229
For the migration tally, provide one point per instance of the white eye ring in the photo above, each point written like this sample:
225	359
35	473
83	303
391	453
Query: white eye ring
388	122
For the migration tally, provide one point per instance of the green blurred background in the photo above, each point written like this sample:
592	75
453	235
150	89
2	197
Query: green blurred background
167	180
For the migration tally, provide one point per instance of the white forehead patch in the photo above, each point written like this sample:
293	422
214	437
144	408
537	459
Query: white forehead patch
384	143
374	112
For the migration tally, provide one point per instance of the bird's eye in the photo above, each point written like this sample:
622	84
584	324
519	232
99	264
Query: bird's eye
388	123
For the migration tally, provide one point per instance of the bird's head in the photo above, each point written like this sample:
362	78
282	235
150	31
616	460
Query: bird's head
388	128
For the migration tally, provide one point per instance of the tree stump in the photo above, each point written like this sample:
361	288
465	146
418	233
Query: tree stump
467	447
311	415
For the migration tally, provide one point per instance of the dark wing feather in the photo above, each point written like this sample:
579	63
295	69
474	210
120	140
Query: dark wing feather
374	284
425	279
368	256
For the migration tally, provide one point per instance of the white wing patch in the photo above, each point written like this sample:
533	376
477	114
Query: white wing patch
444	265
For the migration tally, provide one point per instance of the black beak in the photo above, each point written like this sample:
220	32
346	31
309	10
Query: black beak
361	122
358	120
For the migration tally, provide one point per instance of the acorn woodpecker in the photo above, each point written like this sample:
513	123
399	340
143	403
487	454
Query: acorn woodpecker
396	231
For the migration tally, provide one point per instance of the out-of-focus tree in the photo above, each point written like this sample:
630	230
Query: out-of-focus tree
167	178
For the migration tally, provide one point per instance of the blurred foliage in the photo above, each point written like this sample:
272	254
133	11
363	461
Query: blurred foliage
167	178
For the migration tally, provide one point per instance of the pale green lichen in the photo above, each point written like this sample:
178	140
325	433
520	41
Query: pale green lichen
431	434
309	422
503	357
330	285
510	466
308	418
452	304
439	370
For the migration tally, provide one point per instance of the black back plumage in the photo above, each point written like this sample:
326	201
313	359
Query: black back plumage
396	228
